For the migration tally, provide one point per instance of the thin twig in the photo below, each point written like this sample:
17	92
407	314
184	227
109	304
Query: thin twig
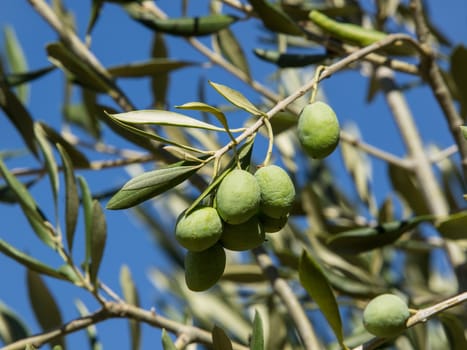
285	293
119	310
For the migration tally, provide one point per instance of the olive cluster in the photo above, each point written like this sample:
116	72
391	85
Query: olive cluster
247	207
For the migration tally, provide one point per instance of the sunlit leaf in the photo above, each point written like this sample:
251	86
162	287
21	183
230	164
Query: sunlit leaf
16	59
243	273
149	185
93	338
274	18
167	342
131	296
43	303
236	98
316	284
454	226
98	239
257	337
220	340
12	328
229	47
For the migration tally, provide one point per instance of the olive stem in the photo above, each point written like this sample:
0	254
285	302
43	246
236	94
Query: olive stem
268	125
314	90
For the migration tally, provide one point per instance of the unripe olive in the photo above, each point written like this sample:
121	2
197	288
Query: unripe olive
244	236
238	197
272	225
385	315
203	269
318	130
277	191
198	230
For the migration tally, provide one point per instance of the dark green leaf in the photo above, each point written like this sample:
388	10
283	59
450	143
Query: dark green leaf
316	284
220	340
131	296
71	197
274	18
454	226
45	308
14	79
16	59
288	60
95	13
455	330
94	343
98	239
7	195
167	343
368	238
149	185
78	114
283	121
40	225
19	117
458	71
236	98
152	67
86	200
229	47
160	83
31	263
257	337
12	327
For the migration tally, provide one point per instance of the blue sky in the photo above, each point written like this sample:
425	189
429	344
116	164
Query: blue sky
116	39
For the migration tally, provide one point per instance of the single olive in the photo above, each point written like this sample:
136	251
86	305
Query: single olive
272	225
244	236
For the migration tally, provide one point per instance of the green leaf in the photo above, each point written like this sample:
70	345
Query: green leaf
290	60
455	330
78	114
151	67
368	238
78	71
458	71
220	340
44	306
453	226
93	338
98	239
160	83
274	18
14	79
95	13
71	197
40	225
87	203
167	343
317	286
49	159
257	337
228	46
243	273
19	117
150	184
31	263
16	59
236	98
131	296
12	328
161	117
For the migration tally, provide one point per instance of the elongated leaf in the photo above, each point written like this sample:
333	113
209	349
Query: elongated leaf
86	200
96	8
19	117
289	60
368	238
12	328
160	83
161	117
131	296
98	239
274	18
78	114
93	338
203	107
152	67
228	46
7	195
243	273
76	68
167	343
458	70
16	59
454	329
454	226
316	284
49	159
257	337
15	79
43	303
149	185
236	98
220	340
71	197
29	262
40	225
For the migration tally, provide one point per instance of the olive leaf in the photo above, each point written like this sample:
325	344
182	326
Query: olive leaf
98	240
150	184
226	44
243	273
458	70
14	79
12	327
317	285
151	67
159	83
257	337
167	343
236	98
131	296
16	59
274	18
87	203
453	226
290	60
93	338
220	340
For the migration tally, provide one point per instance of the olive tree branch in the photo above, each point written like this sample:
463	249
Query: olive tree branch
432	73
120	310
285	293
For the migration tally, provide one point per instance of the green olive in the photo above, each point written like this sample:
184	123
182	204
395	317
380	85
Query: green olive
198	230
238	197
277	191
203	269
272	225
247	235
385	315
318	130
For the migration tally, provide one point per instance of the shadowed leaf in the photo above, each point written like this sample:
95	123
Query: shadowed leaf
220	340
12	328
458	71
228	46
98	239
93	338
274	18
131	296
86	201
289	60
14	79
167	343
152	67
